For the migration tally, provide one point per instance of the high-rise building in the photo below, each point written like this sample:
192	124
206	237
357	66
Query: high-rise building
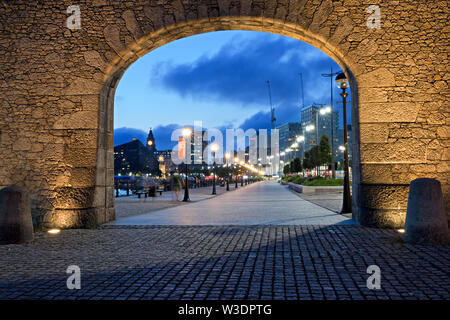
198	147
309	121
288	132
318	121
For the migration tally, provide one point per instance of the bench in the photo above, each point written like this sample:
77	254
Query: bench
160	189
141	192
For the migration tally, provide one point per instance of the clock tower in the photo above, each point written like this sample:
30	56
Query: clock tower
151	142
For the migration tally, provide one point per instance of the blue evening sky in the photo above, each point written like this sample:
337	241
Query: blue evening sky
220	79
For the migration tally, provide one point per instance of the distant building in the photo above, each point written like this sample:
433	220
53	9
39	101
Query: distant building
198	147
166	164
136	158
133	157
288	133
317	121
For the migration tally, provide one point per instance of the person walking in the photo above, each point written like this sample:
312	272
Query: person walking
175	184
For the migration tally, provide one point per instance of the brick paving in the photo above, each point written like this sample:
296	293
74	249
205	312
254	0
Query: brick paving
224	262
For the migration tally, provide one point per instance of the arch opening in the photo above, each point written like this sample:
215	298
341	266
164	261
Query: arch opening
148	43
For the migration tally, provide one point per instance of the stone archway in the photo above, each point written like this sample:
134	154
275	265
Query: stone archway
58	86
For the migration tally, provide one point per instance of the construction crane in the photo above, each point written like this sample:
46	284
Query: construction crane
272	110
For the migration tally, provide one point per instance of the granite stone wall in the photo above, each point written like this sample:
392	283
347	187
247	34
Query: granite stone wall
57	89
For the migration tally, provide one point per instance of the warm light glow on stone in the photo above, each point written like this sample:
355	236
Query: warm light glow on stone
54	231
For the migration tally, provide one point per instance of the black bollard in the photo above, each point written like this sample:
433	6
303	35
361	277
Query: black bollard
16	224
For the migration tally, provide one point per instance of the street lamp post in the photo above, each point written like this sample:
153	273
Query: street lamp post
331	75
227	156
214	148
242	173
342	84
236	160
186	133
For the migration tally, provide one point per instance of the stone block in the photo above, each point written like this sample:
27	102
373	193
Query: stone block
384	197
99	197
110	196
381	77
94	59
73	198
379	218
81	86
131	24
374	132
72	218
82	177
376	173
80	157
112	37
78	120
83	139
110	214
402	150
387	112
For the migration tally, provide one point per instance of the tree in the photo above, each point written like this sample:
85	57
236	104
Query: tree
297	165
223	171
287	169
325	150
307	161
314	155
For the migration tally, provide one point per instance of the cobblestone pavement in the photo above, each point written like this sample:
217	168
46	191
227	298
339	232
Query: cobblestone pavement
224	262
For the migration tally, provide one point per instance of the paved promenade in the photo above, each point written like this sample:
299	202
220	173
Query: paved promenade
264	203
133	205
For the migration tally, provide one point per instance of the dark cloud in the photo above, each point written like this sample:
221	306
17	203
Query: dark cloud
124	135
261	119
162	136
238	73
